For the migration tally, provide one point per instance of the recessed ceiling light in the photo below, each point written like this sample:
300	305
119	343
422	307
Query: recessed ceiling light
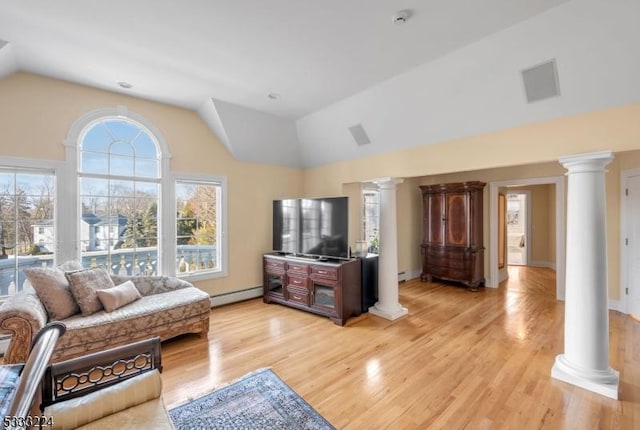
125	85
273	96
401	17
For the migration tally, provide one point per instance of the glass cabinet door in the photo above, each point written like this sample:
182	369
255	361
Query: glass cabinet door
324	295
275	283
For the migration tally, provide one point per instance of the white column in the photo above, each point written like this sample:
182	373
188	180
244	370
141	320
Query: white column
585	361
387	305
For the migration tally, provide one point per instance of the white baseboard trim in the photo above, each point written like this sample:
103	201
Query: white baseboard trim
236	296
547	264
617	305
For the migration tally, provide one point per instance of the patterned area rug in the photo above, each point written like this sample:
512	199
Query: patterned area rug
259	400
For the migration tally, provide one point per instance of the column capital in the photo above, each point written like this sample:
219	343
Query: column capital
590	162
387	182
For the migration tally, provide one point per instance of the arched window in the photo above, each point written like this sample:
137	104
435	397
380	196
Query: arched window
120	177
121	201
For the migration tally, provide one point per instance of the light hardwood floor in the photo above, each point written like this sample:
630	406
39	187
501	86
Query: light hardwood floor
458	360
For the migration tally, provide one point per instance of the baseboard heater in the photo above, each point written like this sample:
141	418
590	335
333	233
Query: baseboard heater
236	296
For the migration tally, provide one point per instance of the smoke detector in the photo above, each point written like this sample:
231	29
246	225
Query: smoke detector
401	17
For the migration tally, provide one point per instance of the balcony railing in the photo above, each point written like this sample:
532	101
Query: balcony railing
127	262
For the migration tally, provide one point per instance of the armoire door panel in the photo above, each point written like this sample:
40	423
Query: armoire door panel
436	219
457	219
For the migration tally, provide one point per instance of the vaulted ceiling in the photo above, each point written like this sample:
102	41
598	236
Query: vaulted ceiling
281	81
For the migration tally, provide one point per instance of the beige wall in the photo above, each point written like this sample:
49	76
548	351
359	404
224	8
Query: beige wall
36	114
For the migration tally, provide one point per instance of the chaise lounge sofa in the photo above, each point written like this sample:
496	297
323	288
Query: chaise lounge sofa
165	307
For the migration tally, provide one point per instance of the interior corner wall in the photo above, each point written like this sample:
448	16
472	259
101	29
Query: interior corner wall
37	112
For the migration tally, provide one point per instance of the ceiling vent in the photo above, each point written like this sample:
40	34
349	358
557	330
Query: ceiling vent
541	82
359	135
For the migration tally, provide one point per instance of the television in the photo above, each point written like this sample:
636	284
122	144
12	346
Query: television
315	228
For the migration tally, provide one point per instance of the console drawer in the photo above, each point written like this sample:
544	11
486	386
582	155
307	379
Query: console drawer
298	268
298	295
324	272
276	265
297	282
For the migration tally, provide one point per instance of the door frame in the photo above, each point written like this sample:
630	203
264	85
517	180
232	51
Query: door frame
559	182
527	226
623	303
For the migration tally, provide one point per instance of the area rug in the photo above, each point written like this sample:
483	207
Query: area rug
259	400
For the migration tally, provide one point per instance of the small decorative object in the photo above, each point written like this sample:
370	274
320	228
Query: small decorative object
361	248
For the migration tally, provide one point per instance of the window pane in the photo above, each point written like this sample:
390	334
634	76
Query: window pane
146	168
94	205
121	188
93	162
145	147
97	139
121	148
94	187
121	166
146	190
27	225
122	130
197	226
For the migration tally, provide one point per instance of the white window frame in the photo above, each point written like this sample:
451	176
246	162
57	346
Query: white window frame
71	210
56	168
222	225
69	247
368	187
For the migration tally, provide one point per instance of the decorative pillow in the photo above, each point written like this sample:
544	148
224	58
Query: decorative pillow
84	285
116	297
53	291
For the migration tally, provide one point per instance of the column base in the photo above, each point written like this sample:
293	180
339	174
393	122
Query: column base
392	314
602	382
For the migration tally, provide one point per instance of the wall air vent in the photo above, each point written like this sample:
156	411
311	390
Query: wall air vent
359	135
541	82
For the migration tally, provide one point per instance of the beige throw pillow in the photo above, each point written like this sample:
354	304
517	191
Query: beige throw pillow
53	291
84	285
116	297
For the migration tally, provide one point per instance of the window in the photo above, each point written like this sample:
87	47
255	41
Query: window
27	224
119	183
119	201
199	226
371	218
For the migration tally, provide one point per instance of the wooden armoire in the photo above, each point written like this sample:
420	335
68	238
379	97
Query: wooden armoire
452	246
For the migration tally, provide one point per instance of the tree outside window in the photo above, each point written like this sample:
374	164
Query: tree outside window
197	226
27	228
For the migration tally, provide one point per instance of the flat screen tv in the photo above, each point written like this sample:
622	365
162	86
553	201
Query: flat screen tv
312	227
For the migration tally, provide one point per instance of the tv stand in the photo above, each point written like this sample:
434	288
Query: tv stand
331	288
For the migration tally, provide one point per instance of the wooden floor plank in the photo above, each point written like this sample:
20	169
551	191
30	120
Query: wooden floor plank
458	360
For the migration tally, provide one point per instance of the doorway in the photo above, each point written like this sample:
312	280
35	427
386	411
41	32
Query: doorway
631	241
494	270
518	222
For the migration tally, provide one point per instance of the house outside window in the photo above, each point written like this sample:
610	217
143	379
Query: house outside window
27	223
